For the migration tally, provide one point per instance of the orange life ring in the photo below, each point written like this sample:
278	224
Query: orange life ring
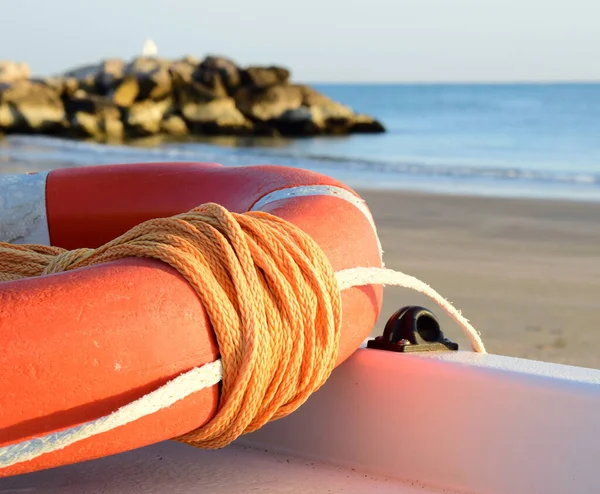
80	344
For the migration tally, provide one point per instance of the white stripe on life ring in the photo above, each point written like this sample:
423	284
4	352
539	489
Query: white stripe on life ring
321	190
23	218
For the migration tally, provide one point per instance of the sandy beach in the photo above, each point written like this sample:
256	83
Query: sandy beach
526	273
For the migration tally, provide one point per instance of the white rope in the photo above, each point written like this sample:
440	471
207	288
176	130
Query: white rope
165	396
210	374
381	276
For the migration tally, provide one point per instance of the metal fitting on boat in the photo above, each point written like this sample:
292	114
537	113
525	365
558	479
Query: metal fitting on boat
412	329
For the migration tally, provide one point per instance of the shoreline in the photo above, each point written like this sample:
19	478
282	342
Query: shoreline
525	272
506	195
22	152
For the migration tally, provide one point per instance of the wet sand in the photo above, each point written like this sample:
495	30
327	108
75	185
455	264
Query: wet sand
526	273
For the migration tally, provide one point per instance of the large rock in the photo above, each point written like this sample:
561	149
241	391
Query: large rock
298	122
145	118
94	116
321	115
185	90
334	111
364	124
268	103
99	78
143	78
264	76
29	106
216	116
13	71
190	95
184	69
326	116
212	81
64	86
312	97
174	124
126	92
226	69
324	105
111	72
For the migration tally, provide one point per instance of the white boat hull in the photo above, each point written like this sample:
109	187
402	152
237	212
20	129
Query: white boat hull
387	422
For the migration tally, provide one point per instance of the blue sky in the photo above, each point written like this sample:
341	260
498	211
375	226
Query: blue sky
321	40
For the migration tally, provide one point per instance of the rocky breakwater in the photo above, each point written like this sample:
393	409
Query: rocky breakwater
117	100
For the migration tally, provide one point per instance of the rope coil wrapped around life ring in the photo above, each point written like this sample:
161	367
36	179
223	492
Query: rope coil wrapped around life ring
272	296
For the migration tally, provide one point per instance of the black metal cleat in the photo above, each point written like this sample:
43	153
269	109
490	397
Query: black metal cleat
412	329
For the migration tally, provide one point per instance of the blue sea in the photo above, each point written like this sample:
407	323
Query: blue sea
520	140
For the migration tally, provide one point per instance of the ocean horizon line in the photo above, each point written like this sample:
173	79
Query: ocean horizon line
565	82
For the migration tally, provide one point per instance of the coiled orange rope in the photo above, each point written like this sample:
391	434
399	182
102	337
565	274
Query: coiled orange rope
268	289
272	297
